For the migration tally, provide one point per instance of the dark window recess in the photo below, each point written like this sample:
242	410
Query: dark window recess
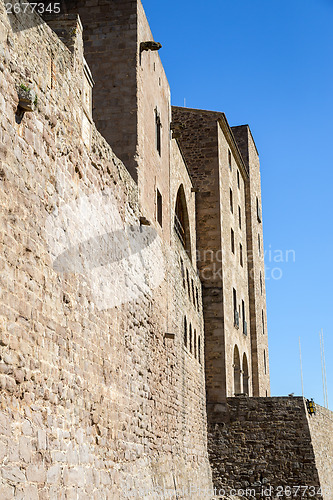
258	211
231	202
159	208
241	254
229	158
232	241
188	284
259	245
195	344
240	217
238	179
190	338
263	322
193	294
197	295
199	349
185	331
236	313
244	318
181	222
183	272
260	283
158	132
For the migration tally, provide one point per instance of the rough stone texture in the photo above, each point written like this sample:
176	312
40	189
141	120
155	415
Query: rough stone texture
96	402
257	443
101	393
321	430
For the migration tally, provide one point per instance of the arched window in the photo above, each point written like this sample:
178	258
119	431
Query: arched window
185	331
237	372
195	344
182	227
190	338
245	376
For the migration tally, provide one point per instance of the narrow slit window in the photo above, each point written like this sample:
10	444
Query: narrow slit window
158	126
231	202
190	338
239	217
159	208
195	344
185	331
238	179
232	241
199	349
263	322
241	254
188	283
229	159
260	283
259	244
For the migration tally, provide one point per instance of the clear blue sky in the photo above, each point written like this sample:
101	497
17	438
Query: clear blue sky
268	63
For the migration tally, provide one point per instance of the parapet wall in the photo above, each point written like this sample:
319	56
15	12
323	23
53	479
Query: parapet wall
271	445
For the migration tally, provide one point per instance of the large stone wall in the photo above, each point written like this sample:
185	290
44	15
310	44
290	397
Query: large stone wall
272	445
96	400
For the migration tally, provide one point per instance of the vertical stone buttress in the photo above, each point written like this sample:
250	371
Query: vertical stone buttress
256	266
110	47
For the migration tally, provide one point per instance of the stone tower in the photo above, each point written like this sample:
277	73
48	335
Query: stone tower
131	98
224	165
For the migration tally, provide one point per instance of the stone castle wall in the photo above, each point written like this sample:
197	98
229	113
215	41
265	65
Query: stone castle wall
97	401
272	445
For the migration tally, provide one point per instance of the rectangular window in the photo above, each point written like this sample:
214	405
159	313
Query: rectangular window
231	202
229	158
244	318
239	217
232	241
236	313
159	211
238	179
241	254
158	132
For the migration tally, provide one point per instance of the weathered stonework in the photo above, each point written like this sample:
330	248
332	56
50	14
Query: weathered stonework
272	445
118	330
96	402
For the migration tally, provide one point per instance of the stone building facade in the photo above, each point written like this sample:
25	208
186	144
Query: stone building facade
132	299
